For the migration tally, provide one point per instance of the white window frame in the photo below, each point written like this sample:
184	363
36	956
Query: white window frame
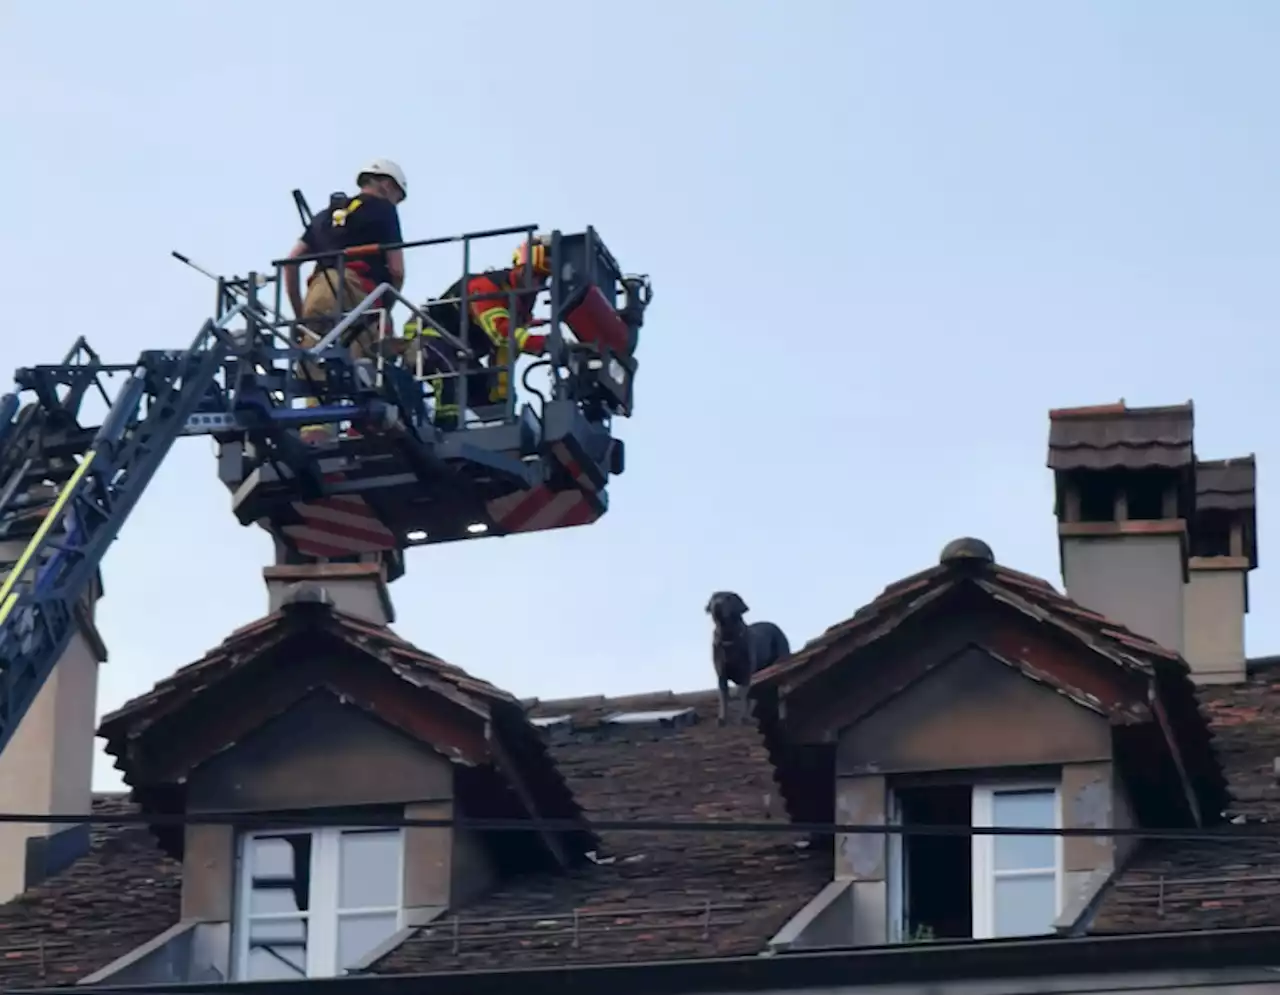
897	873
323	912
984	872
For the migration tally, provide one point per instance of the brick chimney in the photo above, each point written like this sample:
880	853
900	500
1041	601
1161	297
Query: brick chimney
1224	548
1125	490
47	766
358	588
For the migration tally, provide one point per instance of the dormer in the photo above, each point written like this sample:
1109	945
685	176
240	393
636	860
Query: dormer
310	733
973	695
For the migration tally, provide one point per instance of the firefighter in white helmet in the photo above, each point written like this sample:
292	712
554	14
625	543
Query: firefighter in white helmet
355	227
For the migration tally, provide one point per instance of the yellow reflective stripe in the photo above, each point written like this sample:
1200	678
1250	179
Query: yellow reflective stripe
489	323
412	330
8	596
341	214
498	392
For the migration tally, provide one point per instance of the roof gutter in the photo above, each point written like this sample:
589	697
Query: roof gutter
849	969
1162	717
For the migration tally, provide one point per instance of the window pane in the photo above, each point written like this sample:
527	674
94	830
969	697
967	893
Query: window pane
280	873
370	870
277	950
1025	906
358	934
1029	809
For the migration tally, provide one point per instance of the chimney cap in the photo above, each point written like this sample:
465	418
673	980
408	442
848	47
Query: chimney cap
964	549
305	593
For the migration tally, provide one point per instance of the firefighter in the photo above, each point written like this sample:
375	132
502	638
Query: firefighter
370	218
487	331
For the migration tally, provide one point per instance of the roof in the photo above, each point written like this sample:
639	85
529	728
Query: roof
1214	885
1226	484
1114	436
652	896
1129	662
660	895
162	712
118	896
666	896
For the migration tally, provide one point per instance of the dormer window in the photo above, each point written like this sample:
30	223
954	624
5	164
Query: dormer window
313	903
986	886
551	721
658	717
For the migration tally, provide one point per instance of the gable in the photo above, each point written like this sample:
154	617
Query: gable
501	767
319	753
972	711
1159	737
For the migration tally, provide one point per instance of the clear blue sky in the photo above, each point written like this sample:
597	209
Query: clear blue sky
885	238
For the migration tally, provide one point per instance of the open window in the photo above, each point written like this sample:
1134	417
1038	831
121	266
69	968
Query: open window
313	903
951	886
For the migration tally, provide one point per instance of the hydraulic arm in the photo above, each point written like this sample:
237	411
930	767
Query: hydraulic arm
67	490
98	479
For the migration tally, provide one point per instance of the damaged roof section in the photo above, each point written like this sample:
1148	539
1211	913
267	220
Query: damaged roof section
1114	437
644	896
1207	884
1138	684
264	668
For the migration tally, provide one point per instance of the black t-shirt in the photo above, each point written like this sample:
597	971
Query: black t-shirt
366	220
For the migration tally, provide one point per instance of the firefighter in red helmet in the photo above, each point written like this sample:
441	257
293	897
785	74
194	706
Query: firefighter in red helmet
498	301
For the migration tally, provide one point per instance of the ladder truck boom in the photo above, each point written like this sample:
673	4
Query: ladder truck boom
67	490
60	560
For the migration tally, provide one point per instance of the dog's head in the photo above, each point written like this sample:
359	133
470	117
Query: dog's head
725	607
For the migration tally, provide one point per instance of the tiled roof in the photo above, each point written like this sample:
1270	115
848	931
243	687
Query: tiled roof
115	898
251	643
660	896
1228	484
1128	652
1113	436
657	895
1038	598
650	896
1212	885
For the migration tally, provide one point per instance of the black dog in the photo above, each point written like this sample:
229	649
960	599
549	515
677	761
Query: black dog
739	650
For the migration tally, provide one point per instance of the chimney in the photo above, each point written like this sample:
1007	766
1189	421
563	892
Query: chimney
355	588
47	765
1224	548
1125	489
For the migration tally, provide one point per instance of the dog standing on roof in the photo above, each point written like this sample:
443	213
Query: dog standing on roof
739	650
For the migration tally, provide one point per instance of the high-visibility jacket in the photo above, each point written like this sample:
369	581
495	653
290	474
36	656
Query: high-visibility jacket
487	331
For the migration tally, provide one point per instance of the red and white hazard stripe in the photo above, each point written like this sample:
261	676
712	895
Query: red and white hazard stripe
338	526
542	508
572	467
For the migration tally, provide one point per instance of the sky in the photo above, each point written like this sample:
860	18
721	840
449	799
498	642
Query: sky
884	238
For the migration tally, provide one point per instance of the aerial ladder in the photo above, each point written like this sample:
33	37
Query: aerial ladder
540	459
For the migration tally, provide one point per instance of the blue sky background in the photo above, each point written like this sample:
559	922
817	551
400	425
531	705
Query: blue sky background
885	238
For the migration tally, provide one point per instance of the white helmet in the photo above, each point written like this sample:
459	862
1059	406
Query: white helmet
387	168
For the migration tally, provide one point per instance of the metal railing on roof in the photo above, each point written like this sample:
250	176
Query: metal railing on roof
1180	891
456	932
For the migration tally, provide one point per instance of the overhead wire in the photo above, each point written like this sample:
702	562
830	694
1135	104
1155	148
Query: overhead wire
285	819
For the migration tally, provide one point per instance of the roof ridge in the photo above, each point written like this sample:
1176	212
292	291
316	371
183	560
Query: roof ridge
667	697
